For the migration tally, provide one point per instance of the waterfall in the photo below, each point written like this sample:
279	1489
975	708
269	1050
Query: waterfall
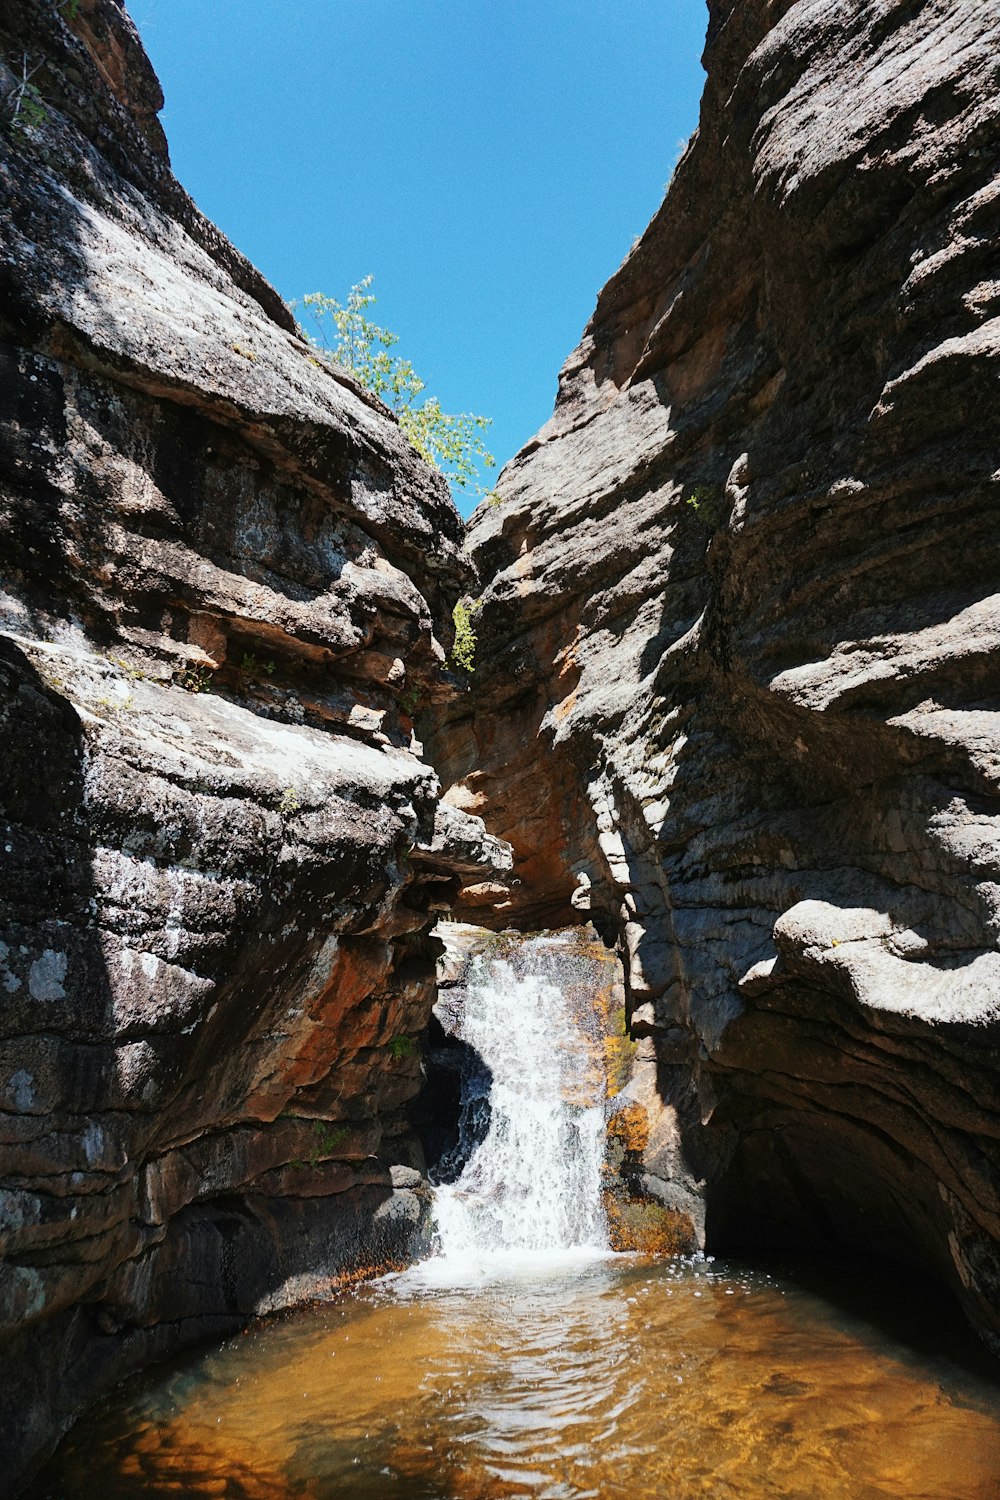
534	1183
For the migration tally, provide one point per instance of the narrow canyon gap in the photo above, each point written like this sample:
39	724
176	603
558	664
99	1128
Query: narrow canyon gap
734	702
739	635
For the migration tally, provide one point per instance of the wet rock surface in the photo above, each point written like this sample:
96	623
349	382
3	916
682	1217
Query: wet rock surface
739	602
453	1115
226	579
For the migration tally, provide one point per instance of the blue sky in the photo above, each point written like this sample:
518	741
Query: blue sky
489	162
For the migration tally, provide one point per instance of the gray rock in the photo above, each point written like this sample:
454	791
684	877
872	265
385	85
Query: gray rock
735	691
405	1177
226	578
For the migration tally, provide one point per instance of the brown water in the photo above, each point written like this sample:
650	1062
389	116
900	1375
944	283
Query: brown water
611	1380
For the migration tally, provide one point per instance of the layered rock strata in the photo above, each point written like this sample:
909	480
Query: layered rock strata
740	603
224	577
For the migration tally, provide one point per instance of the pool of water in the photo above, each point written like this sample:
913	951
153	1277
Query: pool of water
564	1378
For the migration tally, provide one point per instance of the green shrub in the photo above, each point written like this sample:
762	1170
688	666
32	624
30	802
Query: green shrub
452	442
463	652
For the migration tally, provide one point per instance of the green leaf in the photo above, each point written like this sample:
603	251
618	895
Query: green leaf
451	442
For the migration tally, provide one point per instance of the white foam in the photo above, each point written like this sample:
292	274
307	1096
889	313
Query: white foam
530	1195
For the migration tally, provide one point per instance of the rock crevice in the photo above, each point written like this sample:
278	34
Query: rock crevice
735	696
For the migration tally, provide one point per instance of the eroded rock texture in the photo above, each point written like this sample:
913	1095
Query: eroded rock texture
741	605
223	568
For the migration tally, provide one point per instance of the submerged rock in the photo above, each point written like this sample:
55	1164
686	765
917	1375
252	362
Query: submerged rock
735	691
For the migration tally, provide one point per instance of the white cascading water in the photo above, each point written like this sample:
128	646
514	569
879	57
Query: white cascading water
534	1183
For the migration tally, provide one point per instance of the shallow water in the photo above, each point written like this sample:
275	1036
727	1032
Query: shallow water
566	1378
528	1361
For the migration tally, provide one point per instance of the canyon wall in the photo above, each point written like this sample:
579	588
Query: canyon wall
739	643
225	578
507	977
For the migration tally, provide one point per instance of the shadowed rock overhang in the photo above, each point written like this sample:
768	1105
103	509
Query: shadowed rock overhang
736	685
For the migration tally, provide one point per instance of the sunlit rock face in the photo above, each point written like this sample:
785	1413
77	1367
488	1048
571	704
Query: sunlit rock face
224	574
739	646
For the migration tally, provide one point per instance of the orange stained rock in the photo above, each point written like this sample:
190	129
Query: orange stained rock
331	1015
568	673
630	1126
645	1227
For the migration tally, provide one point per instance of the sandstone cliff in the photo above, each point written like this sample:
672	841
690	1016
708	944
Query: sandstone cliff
736	693
224	578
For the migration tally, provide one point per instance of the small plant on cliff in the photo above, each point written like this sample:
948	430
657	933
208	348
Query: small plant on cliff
252	666
24	104
402	1046
410	700
134	674
463	652
289	802
708	503
327	1141
452	442
195	679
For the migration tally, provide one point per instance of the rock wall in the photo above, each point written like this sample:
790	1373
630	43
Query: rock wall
224	577
736	688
